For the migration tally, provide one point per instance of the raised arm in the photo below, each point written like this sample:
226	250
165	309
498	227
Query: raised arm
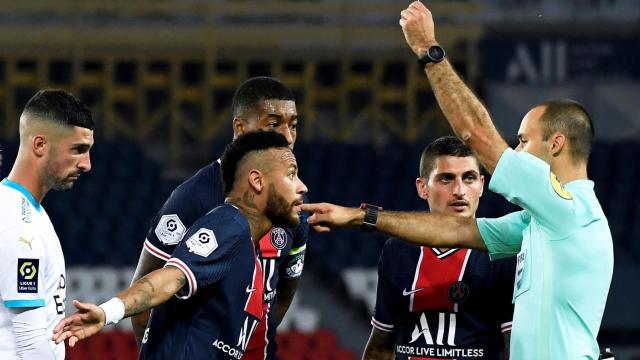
467	115
146	293
420	228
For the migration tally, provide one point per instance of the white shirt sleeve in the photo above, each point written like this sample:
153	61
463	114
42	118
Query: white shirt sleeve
22	264
32	340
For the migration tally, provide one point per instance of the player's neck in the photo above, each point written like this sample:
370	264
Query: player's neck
25	174
259	223
568	171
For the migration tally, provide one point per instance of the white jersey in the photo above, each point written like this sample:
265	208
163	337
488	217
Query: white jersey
31	264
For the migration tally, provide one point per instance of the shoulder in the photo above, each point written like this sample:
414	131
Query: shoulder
15	209
396	252
199	184
394	245
219	230
226	220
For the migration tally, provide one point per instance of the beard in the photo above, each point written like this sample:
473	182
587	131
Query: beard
279	211
54	180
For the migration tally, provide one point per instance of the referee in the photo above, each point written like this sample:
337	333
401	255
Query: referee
561	238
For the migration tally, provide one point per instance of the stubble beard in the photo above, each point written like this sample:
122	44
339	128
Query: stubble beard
279	210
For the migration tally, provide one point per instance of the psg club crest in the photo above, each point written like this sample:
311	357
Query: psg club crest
458	292
278	238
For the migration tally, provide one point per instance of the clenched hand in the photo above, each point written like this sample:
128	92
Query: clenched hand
418	28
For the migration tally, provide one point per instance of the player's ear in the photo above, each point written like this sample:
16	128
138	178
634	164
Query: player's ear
39	145
421	187
239	126
256	180
557	143
482	185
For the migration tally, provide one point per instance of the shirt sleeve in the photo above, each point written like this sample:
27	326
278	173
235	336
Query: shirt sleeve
383	313
527	181
503	275
205	257
294	261
503	235
32	340
171	222
22	284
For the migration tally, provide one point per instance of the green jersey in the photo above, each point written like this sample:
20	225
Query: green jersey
564	258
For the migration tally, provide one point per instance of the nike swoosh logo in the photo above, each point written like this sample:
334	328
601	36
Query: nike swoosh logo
407	293
249	290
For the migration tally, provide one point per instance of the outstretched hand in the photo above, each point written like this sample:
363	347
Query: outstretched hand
418	28
87	321
327	216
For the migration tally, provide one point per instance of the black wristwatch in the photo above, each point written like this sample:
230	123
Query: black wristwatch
434	54
370	216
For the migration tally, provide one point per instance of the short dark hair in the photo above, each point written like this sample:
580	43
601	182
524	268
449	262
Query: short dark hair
241	147
570	118
60	107
444	146
255	89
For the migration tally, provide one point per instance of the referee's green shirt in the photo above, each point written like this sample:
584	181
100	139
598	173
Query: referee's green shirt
565	258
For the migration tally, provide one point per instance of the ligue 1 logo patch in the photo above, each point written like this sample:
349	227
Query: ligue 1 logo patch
170	229
278	238
458	292
202	242
28	276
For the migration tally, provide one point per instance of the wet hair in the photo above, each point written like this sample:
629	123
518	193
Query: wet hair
60	107
242	146
255	89
570	118
444	146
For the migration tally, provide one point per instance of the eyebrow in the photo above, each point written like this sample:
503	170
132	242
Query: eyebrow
442	174
279	116
468	172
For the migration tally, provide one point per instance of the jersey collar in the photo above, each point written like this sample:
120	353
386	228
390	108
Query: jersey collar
14	185
579	184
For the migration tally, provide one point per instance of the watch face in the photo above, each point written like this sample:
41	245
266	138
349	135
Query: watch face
436	53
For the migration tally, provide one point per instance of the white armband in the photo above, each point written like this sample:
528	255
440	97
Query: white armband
113	311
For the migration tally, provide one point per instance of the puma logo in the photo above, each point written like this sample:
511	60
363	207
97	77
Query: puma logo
28	242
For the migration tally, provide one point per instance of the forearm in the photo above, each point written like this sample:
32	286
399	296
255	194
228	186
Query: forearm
466	114
507	345
152	290
378	354
286	290
146	264
380	346
429	229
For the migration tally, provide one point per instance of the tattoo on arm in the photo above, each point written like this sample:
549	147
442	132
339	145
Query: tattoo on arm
152	290
141	300
180	282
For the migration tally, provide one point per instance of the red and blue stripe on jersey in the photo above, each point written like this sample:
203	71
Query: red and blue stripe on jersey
450	304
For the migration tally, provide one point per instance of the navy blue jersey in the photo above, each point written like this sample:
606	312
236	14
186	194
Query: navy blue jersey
215	313
282	250
443	305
